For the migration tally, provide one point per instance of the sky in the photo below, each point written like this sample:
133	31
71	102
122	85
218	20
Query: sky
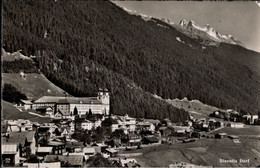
240	19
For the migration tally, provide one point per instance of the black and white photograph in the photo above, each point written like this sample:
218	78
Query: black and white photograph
172	84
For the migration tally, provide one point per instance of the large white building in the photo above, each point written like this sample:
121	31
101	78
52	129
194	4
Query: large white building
67	105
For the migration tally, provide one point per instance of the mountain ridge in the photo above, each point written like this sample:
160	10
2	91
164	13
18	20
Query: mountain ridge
210	32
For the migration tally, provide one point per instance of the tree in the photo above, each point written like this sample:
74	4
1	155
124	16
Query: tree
117	134
75	111
11	94
98	161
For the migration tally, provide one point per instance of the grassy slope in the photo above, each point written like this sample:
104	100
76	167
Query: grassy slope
195	108
9	112
205	152
33	86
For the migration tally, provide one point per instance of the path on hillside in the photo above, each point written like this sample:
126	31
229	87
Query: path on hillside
37	115
216	129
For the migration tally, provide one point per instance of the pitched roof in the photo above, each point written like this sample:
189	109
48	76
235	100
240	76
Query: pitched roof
71	100
64	112
74	144
73	160
89	150
44	149
153	121
26	101
9	148
43	107
20	137
111	150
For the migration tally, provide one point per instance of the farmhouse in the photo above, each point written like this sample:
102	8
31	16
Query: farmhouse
25	104
67	105
10	154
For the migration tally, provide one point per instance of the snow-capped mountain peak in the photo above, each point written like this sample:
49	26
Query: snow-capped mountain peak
183	23
207	32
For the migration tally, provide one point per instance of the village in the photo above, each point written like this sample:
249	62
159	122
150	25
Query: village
82	128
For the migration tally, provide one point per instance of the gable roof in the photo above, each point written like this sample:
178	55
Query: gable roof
89	150
26	102
64	112
9	148
73	160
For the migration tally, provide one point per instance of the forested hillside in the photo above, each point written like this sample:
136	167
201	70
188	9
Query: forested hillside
81	46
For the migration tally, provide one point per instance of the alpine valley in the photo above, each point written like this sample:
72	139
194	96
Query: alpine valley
81	47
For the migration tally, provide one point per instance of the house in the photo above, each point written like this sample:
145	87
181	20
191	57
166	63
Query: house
102	147
76	147
219	124
89	151
25	104
165	131
25	141
250	119
126	123
58	148
152	121
150	140
145	126
65	132
236	125
86	125
180	129
220	135
19	125
10	155
112	152
114	126
97	123
45	110
188	123
114	142
67	160
134	139
129	162
61	114
43	151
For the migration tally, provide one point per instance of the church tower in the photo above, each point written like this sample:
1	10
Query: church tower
103	96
